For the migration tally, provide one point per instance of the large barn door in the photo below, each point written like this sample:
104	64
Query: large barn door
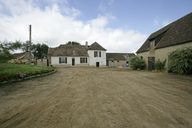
151	63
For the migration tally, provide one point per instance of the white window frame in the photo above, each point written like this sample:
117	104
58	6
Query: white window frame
99	53
83	60
95	53
62	60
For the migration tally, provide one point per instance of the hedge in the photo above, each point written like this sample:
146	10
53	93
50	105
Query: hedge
180	61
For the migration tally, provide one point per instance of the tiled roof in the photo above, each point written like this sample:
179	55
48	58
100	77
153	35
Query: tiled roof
96	46
73	50
178	32
118	56
68	50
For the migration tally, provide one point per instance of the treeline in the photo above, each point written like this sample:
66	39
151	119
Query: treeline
7	49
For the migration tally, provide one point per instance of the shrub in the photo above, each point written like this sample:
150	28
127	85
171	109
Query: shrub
180	61
160	65
137	63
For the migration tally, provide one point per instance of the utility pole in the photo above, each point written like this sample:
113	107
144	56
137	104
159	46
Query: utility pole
29	45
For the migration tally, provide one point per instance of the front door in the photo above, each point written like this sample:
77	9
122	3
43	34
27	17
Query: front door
151	63
97	64
73	61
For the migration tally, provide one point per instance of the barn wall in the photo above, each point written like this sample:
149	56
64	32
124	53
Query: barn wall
162	53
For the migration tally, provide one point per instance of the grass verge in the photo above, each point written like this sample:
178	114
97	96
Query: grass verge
19	71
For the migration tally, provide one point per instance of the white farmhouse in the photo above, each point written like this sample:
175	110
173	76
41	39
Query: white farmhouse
78	55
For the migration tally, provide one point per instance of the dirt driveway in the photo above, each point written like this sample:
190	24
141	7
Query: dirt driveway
98	98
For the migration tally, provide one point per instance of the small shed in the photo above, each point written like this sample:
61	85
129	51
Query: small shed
20	58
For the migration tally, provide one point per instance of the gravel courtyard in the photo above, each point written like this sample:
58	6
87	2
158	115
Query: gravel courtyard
98	98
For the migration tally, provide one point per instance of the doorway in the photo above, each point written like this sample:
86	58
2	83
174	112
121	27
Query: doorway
97	64
73	61
151	63
107	63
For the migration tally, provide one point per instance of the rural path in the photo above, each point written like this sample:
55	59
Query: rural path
98	98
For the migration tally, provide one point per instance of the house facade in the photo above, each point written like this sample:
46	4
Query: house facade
78	55
118	59
161	43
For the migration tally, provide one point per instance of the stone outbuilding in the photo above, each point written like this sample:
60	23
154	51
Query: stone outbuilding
118	59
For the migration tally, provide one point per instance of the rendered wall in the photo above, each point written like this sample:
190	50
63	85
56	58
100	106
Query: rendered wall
93	60
162	53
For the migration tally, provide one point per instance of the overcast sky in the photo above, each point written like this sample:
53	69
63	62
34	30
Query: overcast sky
118	25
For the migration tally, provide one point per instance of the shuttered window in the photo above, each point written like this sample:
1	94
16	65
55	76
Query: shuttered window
99	53
83	60
63	60
95	54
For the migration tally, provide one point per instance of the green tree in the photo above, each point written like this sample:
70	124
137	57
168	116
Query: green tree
39	50
4	53
6	48
137	63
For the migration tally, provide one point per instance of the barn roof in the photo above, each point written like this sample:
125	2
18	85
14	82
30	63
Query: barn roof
175	33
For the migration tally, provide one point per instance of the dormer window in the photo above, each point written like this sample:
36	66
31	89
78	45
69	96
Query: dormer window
152	44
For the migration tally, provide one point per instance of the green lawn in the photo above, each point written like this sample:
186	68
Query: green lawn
16	71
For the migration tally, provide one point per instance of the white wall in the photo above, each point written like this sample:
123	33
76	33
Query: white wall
55	61
93	60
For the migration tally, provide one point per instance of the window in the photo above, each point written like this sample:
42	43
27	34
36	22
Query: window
62	60
99	53
95	54
83	60
152	44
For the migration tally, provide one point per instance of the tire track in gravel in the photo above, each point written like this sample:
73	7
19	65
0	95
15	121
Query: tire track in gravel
98	98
